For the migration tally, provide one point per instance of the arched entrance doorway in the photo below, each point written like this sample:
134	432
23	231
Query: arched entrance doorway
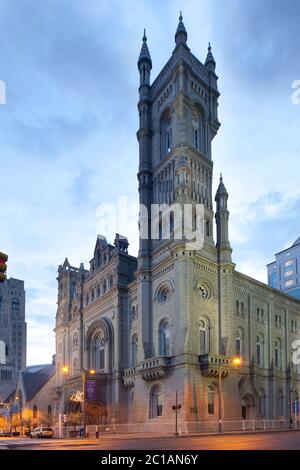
248	407
96	414
74	410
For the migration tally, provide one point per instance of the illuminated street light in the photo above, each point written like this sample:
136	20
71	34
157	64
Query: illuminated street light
237	362
65	370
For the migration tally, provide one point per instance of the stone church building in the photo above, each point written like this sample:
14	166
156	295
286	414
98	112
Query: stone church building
173	319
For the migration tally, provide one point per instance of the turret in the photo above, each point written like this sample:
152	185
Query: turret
144	136
144	63
222	218
181	33
210	62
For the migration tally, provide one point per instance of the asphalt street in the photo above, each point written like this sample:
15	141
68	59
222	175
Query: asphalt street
259	441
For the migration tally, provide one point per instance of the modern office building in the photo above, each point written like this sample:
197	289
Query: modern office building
283	273
12	335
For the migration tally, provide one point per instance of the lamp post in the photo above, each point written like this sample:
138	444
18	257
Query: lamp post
237	362
65	370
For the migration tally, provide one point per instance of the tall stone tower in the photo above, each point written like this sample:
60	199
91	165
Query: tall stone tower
179	285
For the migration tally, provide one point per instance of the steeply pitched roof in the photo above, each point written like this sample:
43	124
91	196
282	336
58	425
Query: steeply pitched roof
34	379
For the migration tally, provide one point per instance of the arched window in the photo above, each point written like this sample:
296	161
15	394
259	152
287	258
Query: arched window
156	402
279	403
239	343
99	345
34	412
104	286
210	400
262	403
134	312
171	223
278	354
258	314
204	339
75	341
160	226
111	282
260	350
164	338
207	228
98	291
49	412
198	130
75	366
73	289
134	350
2	352
237	307
98	351
165	134
242	309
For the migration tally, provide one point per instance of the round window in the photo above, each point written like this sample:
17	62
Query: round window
203	291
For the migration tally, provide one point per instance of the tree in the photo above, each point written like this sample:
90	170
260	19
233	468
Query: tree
74	419
15	421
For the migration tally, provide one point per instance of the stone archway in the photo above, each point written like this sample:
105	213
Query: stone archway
248	407
96	414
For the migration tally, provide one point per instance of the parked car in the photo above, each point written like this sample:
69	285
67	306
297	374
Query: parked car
5	434
42	432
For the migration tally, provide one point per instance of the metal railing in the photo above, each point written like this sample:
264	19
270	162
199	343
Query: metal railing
159	425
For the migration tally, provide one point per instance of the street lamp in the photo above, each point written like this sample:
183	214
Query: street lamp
237	362
65	370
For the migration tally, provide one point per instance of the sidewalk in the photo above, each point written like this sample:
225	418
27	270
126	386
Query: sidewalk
152	435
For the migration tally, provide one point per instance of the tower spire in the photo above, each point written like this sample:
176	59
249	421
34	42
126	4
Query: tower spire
181	33
144	54
222	218
210	62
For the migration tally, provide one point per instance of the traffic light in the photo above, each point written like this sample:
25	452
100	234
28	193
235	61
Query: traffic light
3	266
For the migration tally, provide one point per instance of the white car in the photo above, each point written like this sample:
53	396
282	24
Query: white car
42	432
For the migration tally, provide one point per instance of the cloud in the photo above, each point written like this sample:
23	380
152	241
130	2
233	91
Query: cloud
68	130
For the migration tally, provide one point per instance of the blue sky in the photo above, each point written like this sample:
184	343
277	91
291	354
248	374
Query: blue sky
67	131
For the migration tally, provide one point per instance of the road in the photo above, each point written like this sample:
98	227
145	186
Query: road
259	441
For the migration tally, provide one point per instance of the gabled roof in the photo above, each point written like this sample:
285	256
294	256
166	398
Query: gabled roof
297	242
35	377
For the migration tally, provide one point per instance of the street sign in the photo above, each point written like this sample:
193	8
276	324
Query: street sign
176	407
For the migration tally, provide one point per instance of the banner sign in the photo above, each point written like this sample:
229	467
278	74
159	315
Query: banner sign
90	390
